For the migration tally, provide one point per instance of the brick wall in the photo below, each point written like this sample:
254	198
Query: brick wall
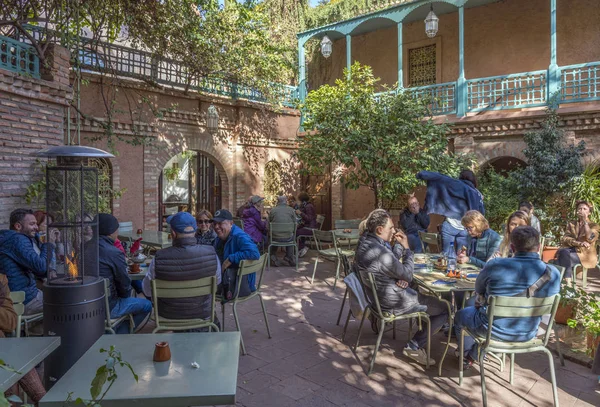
31	118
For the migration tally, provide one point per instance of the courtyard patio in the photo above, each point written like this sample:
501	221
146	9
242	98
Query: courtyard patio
305	364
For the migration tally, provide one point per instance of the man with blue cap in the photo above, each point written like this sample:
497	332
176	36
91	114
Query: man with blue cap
233	245
185	260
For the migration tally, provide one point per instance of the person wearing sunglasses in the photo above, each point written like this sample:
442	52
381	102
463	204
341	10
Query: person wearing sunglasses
482	242
205	233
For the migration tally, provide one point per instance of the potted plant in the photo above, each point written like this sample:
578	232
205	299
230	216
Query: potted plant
569	297
551	246
588	316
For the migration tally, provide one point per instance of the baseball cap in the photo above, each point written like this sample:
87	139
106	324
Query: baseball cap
221	215
182	221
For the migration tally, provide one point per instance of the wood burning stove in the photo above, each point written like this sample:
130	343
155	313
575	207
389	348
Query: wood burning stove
73	292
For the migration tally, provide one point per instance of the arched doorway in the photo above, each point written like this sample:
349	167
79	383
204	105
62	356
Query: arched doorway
503	164
189	181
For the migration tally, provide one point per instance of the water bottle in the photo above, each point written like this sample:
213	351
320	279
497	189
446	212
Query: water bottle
451	257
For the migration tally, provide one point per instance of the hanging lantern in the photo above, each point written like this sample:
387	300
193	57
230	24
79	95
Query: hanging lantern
212	119
326	46
431	24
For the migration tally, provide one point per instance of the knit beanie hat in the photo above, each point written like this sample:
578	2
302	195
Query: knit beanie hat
107	224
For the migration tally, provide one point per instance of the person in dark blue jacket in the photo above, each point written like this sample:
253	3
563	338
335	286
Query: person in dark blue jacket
23	258
452	198
507	277
113	266
413	220
233	245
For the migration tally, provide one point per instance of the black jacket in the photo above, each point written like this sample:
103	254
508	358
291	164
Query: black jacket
185	260
113	266
413	223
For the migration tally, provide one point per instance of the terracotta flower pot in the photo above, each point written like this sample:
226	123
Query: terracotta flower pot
548	253
592	343
564	312
162	352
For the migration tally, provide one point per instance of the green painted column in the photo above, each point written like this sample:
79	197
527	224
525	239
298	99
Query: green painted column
553	70
400	58
461	83
348	53
301	71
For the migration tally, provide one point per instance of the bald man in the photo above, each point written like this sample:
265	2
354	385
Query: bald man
412	220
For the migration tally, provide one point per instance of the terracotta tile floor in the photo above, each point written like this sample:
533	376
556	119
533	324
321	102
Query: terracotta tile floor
305	364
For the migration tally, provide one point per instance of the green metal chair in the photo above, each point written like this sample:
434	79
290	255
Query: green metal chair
584	271
283	229
238	222
348	224
184	289
513	307
332	253
111	323
385	318
18	299
248	267
542	241
309	240
431	239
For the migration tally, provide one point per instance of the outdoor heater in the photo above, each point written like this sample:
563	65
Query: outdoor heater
73	291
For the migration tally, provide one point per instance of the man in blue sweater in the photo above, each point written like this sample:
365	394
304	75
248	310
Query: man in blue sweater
23	258
233	245
507	277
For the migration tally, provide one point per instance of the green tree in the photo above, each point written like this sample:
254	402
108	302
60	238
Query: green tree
552	162
376	140
500	196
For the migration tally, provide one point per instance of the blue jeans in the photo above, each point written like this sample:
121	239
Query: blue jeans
470	317
138	307
450	234
414	242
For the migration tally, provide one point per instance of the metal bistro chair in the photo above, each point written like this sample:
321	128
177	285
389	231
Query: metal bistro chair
309	240
328	238
348	224
385	317
584	272
239	223
18	299
287	229
431	239
248	267
163	289
112	323
513	307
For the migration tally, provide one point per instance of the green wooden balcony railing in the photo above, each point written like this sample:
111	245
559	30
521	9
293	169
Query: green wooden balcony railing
441	98
18	57
580	83
128	62
507	91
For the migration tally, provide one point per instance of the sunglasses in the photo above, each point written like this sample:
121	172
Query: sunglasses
205	222
470	228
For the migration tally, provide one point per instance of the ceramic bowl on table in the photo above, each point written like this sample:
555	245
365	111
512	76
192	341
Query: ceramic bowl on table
139	258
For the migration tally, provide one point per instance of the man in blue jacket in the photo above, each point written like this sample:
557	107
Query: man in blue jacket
23	258
233	245
507	277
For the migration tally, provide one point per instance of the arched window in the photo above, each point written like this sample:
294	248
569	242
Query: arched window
272	182
105	191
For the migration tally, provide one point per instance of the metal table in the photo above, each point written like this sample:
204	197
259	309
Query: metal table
425	278
152	238
350	239
23	354
174	383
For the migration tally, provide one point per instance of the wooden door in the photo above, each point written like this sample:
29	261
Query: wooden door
319	189
208	185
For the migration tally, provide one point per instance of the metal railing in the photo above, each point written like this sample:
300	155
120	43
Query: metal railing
100	56
507	91
19	57
441	98
580	83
